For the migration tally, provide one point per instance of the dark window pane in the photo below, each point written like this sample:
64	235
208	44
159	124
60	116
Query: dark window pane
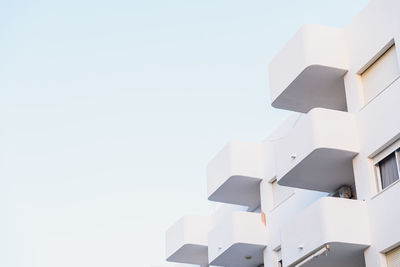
388	170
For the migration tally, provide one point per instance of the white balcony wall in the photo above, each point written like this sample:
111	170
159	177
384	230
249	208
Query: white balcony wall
286	211
308	72
235	173
187	240
238	239
317	153
341	223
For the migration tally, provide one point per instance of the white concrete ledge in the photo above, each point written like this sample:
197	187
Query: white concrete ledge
317	153
235	173
342	224
308	72
186	240
238	239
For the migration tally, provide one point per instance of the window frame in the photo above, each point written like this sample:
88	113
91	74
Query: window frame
378	176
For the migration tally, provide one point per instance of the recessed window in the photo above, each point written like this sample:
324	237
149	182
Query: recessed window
380	74
387	170
393	258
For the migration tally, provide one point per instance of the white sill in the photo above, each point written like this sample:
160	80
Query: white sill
384	190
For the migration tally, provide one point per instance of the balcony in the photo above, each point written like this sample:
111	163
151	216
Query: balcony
331	232
238	239
308	72
186	240
317	153
235	173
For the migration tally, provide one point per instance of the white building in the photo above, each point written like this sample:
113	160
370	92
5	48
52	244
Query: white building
323	190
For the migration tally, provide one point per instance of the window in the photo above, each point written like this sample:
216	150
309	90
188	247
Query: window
380	74
387	170
393	258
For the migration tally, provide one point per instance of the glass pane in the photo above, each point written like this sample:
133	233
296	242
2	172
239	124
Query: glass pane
398	161
388	170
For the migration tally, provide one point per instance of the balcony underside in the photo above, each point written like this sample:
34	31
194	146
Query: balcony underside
339	254
241	255
315	86
239	190
191	254
324	169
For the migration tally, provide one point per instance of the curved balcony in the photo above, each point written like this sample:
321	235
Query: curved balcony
331	232
317	153
238	239
235	173
308	72
186	240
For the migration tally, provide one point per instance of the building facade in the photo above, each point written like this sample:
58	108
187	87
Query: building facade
323	189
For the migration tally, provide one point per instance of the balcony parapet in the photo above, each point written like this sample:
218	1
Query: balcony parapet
317	153
238	239
187	240
235	173
331	232
308	72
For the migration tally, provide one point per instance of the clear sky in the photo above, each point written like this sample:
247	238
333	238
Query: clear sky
110	111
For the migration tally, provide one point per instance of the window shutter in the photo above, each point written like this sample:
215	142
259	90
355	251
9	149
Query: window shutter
393	257
380	74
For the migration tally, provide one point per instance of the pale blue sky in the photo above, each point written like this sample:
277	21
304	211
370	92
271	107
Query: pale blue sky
110	111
